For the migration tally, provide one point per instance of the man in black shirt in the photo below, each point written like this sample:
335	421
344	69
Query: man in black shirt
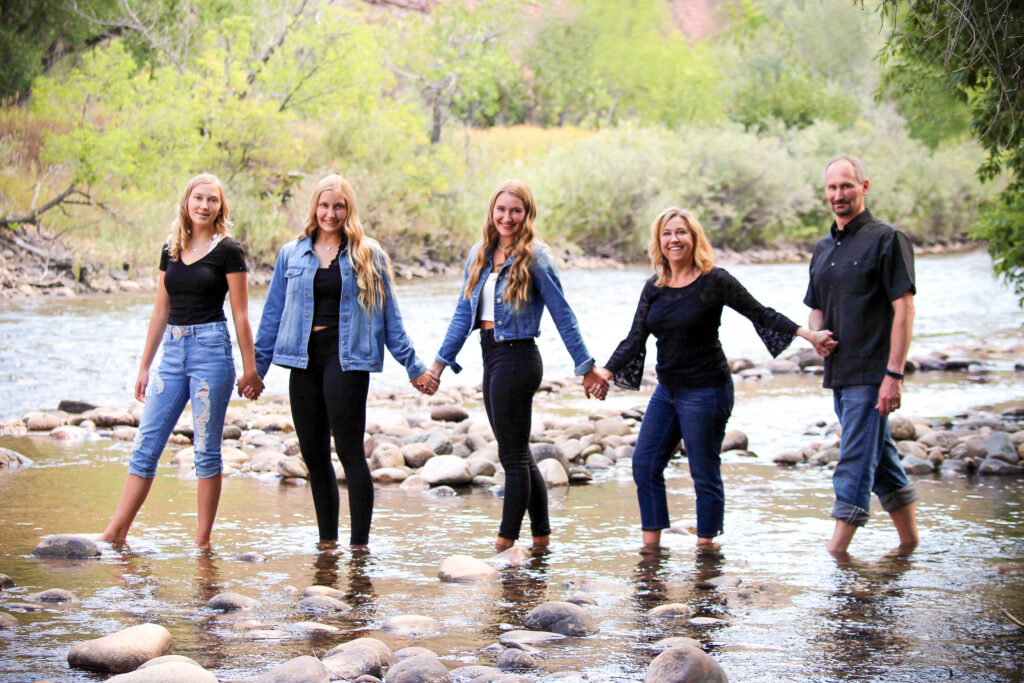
862	288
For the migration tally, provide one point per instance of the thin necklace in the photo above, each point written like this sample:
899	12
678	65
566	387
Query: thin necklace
213	239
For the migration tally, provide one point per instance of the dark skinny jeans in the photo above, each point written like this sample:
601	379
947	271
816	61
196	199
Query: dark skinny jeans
327	400
512	374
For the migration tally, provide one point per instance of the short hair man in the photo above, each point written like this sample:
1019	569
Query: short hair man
862	288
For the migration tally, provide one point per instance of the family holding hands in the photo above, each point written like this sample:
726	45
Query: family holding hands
331	310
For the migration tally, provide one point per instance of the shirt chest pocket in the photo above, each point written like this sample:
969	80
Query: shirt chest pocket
853	276
293	278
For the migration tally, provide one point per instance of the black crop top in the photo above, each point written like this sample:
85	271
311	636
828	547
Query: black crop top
685	321
327	296
197	290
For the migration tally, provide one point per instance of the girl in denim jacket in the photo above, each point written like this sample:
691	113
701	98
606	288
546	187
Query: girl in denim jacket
330	312
509	279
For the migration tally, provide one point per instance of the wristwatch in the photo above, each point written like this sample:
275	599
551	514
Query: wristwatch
894	374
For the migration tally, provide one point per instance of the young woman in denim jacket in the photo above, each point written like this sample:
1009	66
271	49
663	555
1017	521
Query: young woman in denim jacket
199	265
330	312
509	279
682	307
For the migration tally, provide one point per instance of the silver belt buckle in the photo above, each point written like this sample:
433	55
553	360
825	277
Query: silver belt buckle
176	332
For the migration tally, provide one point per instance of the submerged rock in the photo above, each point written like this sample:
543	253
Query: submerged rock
323	604
12	459
304	669
67	546
53	595
528	637
167	672
419	669
515	660
230	602
7	621
123	651
465	569
360	657
411	625
561	617
684	664
675	610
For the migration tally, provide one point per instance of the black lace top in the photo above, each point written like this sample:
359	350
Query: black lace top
685	321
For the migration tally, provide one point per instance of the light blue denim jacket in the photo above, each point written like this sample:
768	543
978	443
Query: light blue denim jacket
287	320
512	323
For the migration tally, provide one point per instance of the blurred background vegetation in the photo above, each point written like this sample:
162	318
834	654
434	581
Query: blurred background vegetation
610	110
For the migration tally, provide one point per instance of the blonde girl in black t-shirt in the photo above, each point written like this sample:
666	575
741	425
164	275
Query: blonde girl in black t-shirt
199	265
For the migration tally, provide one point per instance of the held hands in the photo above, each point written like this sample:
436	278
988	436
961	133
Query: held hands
250	385
595	383
823	342
427	383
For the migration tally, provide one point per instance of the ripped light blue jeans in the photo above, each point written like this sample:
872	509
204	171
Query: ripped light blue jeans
196	366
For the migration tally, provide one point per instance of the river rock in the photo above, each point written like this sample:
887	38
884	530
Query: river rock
581	599
480	467
561	617
783	367
956	467
465	569
684	664
549	451
901	428
515	556
666	643
67	546
508	638
322	590
415	482
824	457
788	458
6	581
734	440
411	626
1001	447
738	365
465	674
610	426
916	465
231	602
273	423
7	621
675	610
292	468
996	466
312	627
360	657
122	651
553	472
942	439
41	422
389	475
386	455
757	596
908	448
419	669
446	469
515	660
110	417
600	461
68	433
417	454
52	595
323	604
167	672
448	413
413	651
75	407
304	669
436	439
12	459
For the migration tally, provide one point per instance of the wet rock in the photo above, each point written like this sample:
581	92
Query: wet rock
7	621
362	656
738	365
437	440
515	660
322	590
41	422
68	546
598	587
788	458
110	417
323	604
600	461
251	558
12	459
611	426
52	595
448	413
901	428
666	643
513	557
75	407
446	469
389	475
415	482
6	581
480	467
938	438
570	448
561	617
1001	447
304	669
706	621
443	492
419	669
676	610
549	451
553	472
528	637
67	433
313	627
122	651
911	448
465	569
413	651
465	674
783	367
757	596
273	423
292	468
581	599
231	602
386	455
956	467
734	440
824	457
411	626
417	454
167	671
684	664
991	466
916	465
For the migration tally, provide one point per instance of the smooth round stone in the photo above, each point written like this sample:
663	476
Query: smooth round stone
411	626
666	643
706	621
684	663
528	637
123	651
389	475
414	482
448	413
419	669
167	659
322	590
359	657
673	611
7	621
417	454
413	651
464	674
515	660
581	599
758	596
465	569
553	472
12	459
446	469
53	595
561	617
230	602
6	581
304	669
167	672
313	627
323	604
67	546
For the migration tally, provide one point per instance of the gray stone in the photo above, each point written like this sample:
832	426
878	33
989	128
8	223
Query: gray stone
411	626
464	674
52	595
676	610
684	664
995	466
757	596
824	457
465	569
911	448
448	413
1001	447
546	451
12	459
515	660
901	428
788	458
123	651
75	407
938	438
956	467
553	472
413	651
783	367
7	621
323	604
666	643
417	454
915	465
167	672
389	475
66	545
231	602
581	599
360	657
304	669
251	558
561	617
419	669
436	439
443	492
735	440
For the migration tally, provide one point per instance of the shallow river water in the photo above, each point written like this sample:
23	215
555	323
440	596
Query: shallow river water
934	615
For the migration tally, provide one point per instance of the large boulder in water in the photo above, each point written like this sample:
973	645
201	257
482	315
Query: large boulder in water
123	651
684	664
419	669
66	546
304	669
360	657
465	569
561	617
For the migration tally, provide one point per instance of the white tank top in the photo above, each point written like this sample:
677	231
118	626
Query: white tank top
487	298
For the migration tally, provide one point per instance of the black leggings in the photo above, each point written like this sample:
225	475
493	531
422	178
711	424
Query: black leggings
326	399
512	374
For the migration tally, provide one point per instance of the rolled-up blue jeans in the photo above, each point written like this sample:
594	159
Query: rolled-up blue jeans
698	417
868	459
197	366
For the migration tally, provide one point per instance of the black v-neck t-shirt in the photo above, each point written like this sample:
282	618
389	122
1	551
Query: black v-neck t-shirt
197	290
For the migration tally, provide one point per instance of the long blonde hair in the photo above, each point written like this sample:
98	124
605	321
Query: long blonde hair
517	287
369	275
703	254
181	226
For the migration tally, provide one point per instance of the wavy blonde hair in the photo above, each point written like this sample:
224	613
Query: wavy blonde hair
369	272
703	254
181	226
517	287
